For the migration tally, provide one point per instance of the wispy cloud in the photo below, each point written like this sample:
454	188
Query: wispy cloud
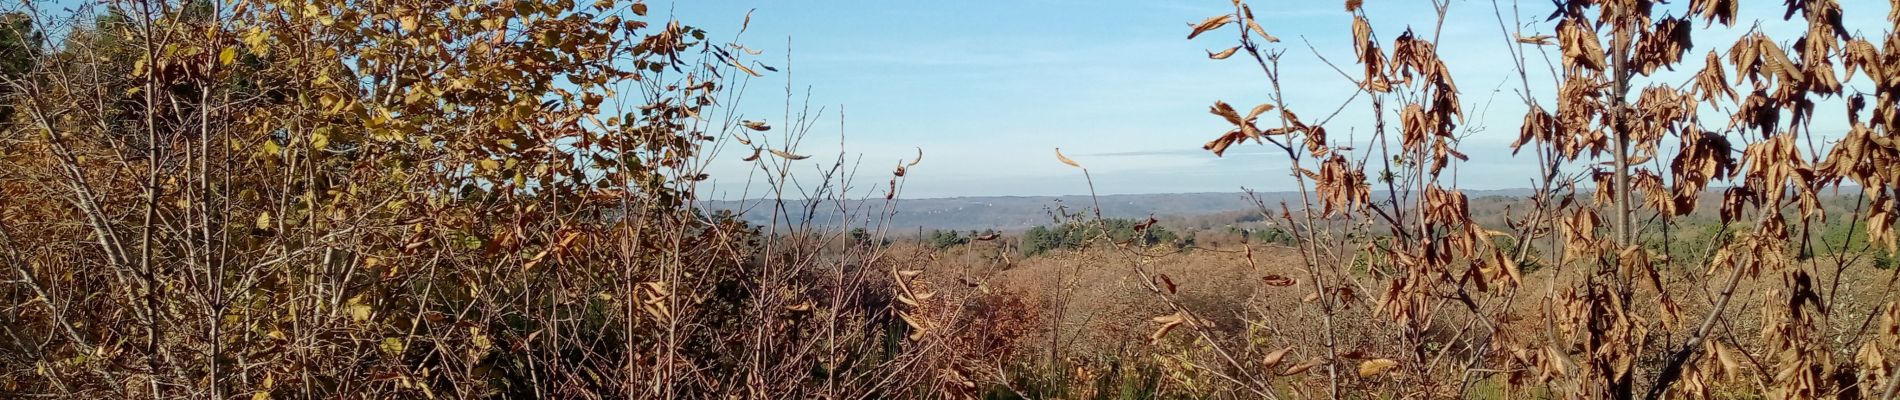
989	89
1185	152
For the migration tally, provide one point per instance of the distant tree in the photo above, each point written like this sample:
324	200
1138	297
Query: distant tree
1042	239
1039	240
946	239
19	46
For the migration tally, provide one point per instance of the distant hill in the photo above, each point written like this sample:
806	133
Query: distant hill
1015	213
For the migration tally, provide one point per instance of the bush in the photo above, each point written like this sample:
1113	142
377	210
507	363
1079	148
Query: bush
1075	235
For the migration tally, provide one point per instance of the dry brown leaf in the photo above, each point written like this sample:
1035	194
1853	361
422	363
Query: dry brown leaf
1226	111
1223	54
1255	26
1065	159
1540	40
1509	263
1211	23
1273	359
916	326
800	307
1777	61
788	155
742	68
1168	323
1581	46
1302	367
1362	36
1376	367
1277	280
1257	110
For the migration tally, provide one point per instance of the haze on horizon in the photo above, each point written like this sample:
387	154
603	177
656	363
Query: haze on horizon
989	89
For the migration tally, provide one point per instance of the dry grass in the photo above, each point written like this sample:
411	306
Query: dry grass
499	199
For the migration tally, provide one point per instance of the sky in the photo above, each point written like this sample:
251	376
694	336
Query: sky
989	89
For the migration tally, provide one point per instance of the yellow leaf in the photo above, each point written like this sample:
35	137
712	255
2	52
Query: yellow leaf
254	40
227	56
392	345
321	137
481	341
263	220
359	311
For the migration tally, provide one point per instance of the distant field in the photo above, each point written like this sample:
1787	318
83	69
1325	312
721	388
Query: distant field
1016	213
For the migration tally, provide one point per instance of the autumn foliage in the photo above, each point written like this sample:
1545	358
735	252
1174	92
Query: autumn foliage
1623	153
412	199
499	199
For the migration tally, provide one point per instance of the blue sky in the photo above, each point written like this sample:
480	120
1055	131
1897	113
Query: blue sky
988	89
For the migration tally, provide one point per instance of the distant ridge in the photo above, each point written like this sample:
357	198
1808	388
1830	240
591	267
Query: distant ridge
1014	213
